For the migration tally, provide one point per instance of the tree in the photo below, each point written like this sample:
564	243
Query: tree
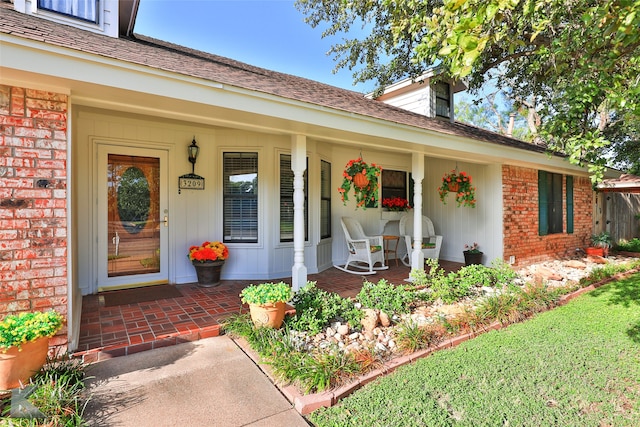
574	62
495	112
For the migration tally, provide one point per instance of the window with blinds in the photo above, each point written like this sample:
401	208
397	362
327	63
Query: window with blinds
86	10
240	197
325	199
443	101
286	200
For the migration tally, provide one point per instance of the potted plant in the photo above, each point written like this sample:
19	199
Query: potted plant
396	204
267	303
460	184
208	260
363	178
472	254
600	244
24	343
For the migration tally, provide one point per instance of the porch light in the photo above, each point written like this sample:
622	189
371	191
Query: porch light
193	154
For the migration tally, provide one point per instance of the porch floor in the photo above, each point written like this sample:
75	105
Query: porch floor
107	332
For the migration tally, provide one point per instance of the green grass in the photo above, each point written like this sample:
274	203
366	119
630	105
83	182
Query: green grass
58	394
577	365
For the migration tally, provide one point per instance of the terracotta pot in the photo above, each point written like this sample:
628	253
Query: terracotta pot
472	258
16	367
267	315
454	187
360	180
595	251
208	272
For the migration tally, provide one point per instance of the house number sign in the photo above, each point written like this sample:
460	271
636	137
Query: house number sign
190	182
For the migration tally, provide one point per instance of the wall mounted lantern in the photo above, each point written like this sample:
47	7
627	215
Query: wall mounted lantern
193	154
191	181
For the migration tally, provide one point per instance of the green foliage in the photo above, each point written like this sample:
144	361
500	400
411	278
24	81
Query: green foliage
18	329
365	195
317	308
265	293
601	240
515	304
58	394
316	371
411	337
386	297
238	325
540	53
538	373
456	285
632	245
312	371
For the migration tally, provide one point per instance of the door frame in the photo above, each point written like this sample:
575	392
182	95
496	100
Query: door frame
102	148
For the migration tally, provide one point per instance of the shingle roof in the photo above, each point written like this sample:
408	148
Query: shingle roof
174	58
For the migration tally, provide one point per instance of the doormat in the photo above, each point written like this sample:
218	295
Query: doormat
136	295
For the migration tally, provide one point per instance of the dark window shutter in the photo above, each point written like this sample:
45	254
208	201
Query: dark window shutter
569	204
543	203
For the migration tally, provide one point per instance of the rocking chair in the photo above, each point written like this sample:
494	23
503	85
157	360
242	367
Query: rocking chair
364	251
431	243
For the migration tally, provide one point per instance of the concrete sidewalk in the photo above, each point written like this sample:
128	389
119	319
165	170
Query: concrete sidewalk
210	382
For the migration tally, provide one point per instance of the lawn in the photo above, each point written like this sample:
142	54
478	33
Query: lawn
576	365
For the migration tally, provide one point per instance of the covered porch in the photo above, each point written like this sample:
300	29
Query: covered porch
107	332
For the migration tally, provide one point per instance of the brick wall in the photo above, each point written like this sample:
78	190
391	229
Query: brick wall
33	204
521	239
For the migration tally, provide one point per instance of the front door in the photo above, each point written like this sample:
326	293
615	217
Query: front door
133	217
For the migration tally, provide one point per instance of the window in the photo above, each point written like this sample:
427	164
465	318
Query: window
325	199
550	211
443	104
87	10
394	184
240	197
286	200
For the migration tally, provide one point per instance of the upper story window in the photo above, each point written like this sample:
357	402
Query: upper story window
443	100
86	10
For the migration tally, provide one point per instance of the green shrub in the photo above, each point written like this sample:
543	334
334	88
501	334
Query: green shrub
632	245
57	393
386	297
411	337
316	371
20	328
266	293
317	308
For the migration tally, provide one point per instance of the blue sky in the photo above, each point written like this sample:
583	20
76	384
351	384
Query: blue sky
266	33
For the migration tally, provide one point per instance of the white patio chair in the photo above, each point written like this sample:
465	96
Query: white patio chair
428	237
364	251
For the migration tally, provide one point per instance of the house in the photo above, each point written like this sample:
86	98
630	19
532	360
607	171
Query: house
97	191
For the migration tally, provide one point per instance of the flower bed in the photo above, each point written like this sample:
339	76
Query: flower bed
327	354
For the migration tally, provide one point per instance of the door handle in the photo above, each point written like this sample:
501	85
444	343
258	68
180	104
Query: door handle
166	221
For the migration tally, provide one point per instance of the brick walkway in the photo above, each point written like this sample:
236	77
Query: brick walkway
107	332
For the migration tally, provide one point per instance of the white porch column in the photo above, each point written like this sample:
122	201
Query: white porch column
298	166
417	171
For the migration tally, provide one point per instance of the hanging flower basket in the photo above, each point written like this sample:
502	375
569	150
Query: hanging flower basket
363	178
460	184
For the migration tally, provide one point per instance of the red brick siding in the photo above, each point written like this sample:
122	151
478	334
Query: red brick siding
520	221
33	202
